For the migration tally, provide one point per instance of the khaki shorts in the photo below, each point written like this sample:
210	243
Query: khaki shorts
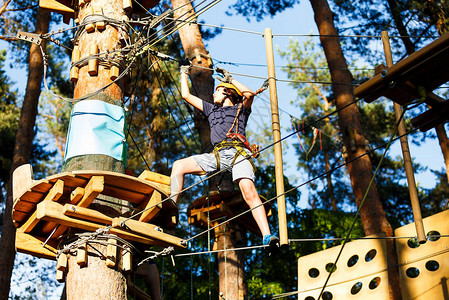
242	167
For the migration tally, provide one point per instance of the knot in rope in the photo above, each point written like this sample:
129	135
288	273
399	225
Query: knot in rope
165	252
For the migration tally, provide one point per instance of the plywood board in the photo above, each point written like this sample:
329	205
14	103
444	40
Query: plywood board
362	263
29	244
424	269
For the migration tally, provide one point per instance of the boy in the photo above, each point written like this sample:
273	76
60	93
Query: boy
227	118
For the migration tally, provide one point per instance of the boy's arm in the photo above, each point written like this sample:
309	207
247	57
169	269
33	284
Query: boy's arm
185	91
248	94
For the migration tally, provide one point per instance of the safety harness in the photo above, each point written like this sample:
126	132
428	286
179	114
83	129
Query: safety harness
239	142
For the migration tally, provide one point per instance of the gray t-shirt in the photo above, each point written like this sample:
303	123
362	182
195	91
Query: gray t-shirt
221	119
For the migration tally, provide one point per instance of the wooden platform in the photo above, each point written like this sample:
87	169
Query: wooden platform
45	209
414	77
225	204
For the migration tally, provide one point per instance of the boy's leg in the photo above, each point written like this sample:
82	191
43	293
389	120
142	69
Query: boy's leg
251	197
150	275
180	168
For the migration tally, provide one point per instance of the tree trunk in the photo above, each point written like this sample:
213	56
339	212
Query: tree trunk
444	145
96	280
230	266
360	170
22	150
195	51
397	18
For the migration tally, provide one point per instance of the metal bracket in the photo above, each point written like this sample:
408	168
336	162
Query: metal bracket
29	37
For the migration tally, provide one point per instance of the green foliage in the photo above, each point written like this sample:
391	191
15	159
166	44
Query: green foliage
9	123
319	144
260	9
436	199
20	15
433	13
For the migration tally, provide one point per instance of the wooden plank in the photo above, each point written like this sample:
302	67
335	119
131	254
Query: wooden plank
56	191
26	243
146	229
52	212
116	185
60	276
92	190
127	263
31	196
18	216
81	255
111	253
86	214
61	6
70	180
161	181
152	207
30	223
22	180
77	195
24	206
155	177
61	264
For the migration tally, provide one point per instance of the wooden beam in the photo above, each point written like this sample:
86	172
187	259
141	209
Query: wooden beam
146	229
26	243
111	253
62	7
152	207
161	181
212	209
61	264
56	191
81	255
155	177
19	216
127	264
24	206
86	214
47	228
93	188
76	195
53	212
53	195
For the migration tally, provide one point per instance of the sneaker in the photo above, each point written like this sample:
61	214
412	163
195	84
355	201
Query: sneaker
272	242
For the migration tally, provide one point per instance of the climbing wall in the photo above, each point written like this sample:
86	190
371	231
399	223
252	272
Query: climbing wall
361	272
424	268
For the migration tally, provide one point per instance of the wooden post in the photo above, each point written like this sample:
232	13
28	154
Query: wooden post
283	234
406	152
85	272
230	263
